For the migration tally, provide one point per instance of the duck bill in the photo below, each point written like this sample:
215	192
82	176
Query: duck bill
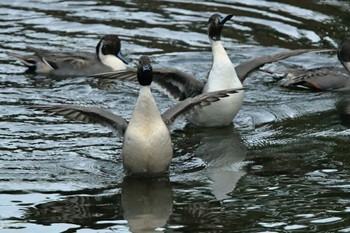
223	20
347	65
344	54
120	56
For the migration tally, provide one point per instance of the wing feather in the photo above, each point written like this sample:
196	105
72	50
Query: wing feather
245	68
92	115
189	105
176	83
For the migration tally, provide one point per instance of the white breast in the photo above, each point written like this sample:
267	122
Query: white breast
220	113
112	61
222	76
147	146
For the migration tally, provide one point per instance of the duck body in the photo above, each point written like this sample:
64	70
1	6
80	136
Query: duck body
323	79
107	58
147	146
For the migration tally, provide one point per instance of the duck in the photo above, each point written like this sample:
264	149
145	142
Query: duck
71	64
147	146
222	75
322	79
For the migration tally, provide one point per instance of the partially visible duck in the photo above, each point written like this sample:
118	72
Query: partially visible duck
323	79
106	58
147	146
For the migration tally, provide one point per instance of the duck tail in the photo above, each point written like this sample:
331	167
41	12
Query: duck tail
28	61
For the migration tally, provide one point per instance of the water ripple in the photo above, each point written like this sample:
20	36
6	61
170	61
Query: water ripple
283	167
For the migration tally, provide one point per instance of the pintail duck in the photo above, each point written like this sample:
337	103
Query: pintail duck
70	64
323	79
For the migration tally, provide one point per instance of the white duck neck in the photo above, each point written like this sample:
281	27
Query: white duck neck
146	107
222	74
111	60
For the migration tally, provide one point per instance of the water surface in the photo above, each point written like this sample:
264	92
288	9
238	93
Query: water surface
282	167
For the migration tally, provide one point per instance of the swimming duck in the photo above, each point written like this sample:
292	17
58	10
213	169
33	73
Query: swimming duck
323	79
222	75
70	64
147	146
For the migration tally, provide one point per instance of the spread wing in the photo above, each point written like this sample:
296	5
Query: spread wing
129	75
88	115
189	105
176	83
245	68
179	84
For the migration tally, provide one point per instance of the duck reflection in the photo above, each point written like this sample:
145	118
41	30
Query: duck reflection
83	210
224	153
147	203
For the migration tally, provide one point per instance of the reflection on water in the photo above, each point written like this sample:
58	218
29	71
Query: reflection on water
144	203
283	167
93	211
147	203
224	154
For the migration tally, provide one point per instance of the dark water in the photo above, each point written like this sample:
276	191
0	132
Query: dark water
283	167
